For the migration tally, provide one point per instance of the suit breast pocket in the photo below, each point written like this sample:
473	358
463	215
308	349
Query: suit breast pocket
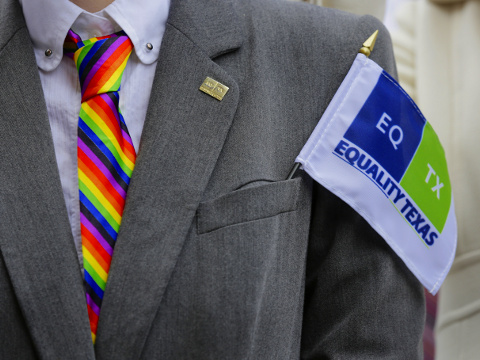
249	204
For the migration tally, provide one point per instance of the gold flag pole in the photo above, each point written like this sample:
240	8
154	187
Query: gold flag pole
368	45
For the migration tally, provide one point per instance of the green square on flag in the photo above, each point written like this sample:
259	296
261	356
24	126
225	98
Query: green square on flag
426	179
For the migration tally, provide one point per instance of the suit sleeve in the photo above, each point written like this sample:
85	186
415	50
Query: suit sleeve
361	301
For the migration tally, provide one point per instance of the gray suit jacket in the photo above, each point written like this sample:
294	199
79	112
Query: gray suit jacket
218	256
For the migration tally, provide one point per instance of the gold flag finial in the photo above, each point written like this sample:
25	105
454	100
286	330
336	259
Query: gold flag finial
369	44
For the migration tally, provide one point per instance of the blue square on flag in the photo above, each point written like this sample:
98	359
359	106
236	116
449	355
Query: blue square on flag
385	131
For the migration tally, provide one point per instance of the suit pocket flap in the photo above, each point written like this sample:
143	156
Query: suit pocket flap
248	204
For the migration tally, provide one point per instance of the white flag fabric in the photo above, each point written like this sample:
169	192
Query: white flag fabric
374	149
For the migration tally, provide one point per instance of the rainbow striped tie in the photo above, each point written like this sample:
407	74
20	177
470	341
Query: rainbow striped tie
106	156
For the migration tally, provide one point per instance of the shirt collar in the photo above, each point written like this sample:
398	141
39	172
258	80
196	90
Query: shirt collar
144	22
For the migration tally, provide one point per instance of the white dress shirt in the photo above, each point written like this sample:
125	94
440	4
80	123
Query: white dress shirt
48	22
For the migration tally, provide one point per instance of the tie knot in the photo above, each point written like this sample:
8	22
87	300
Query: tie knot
100	61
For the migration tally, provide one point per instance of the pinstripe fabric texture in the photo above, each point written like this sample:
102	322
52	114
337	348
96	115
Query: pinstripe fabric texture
106	156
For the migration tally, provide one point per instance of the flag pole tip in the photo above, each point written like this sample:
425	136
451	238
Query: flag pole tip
369	44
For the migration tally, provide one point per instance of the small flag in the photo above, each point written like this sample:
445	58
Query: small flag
374	149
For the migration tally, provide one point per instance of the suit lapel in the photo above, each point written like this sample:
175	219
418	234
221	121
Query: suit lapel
35	236
183	135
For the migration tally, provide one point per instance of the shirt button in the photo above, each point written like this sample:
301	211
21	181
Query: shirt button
48	52
149	46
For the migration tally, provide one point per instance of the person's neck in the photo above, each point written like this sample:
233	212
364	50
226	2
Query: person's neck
92	6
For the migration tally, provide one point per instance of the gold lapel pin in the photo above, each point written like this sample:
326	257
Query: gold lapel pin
214	88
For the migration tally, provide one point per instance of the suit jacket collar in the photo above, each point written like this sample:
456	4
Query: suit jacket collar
11	20
35	237
183	136
212	25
